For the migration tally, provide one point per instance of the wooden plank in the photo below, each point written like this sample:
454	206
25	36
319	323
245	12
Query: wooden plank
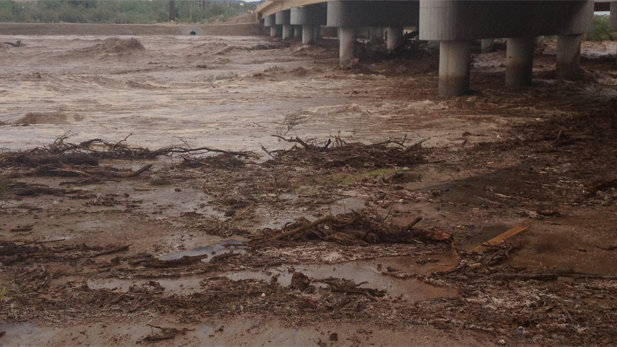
500	238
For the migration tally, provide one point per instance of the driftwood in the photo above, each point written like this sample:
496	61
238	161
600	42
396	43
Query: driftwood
525	277
10	249
186	260
160	337
14	44
21	228
111	251
350	287
63	159
166	333
356	227
223	256
26	190
303	228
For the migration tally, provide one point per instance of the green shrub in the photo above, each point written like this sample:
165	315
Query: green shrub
601	29
116	11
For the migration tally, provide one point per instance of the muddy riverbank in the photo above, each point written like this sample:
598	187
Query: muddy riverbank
182	190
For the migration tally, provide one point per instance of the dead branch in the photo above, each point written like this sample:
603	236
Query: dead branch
414	222
20	228
304	227
295	140
111	251
166	333
15	44
350	287
132	174
160	337
525	277
186	260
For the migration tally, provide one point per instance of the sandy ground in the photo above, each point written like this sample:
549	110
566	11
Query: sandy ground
542	157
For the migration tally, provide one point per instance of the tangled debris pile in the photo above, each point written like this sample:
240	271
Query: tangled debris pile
63	158
352	228
386	154
547	307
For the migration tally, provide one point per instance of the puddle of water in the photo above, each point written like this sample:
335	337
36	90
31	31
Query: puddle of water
230	246
369	271
366	271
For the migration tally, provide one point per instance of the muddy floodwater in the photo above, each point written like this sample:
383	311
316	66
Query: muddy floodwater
243	190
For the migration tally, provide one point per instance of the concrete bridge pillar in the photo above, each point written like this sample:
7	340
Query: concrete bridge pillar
316	33
287	32
348	37
310	18
297	31
350	15
459	20
568	56
454	59
395	38
519	61
275	31
487	45
270	21
283	18
308	34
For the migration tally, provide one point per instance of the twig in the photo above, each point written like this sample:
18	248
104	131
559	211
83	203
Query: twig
119	142
132	174
241	213
556	140
401	143
296	140
215	150
114	250
326	146
414	222
268	152
21	229
385	197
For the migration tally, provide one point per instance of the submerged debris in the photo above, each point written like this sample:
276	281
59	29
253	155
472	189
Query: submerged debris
352	228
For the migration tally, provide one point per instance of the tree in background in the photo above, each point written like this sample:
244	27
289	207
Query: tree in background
119	11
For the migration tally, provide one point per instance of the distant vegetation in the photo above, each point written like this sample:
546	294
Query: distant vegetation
601	31
118	11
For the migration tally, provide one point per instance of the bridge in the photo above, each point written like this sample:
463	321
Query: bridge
452	23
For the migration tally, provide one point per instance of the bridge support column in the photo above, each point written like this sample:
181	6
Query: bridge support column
519	61
316	33
274	31
310	17
487	45
568	56
347	49
349	15
283	18
297	31
308	34
454	59
395	38
270	21
287	32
